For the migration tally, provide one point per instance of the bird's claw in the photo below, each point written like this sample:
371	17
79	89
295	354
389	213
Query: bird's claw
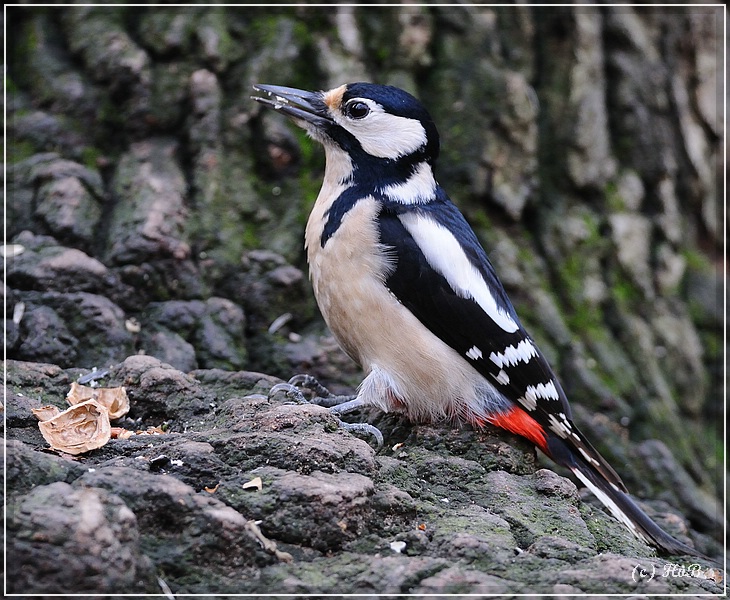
320	395
310	383
365	428
337	405
290	391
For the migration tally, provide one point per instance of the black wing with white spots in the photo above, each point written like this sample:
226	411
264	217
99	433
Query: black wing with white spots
508	360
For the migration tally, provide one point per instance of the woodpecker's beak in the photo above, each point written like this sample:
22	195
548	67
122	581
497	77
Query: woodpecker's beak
297	104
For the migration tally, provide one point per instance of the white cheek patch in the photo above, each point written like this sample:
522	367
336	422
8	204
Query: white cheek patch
384	135
446	256
419	187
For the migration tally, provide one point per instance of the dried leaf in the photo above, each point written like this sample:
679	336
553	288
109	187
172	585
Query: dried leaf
114	399
81	428
716	575
123	434
152	431
120	433
254	483
44	413
79	393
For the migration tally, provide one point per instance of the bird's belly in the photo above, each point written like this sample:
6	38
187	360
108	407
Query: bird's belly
409	368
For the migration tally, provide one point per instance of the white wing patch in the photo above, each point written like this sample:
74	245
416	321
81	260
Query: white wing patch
560	426
502	377
474	353
445	255
419	187
512	355
529	402
542	390
546	392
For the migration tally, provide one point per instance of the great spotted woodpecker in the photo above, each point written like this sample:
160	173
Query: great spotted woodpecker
410	294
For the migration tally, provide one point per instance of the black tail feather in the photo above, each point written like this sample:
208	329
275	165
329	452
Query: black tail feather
623	507
613	495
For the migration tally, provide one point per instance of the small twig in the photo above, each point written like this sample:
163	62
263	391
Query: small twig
253	528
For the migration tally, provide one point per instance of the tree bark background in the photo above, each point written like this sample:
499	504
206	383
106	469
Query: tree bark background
584	144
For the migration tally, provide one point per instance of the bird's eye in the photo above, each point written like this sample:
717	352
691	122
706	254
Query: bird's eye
357	110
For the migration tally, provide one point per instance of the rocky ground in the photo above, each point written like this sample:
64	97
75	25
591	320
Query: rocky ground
155	220
437	510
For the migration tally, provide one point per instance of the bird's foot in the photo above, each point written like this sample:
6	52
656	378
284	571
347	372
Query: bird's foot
316	393
321	396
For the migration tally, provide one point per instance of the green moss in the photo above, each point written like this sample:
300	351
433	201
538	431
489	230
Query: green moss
20	150
218	20
696	261
108	114
90	157
21	49
624	292
301	31
309	179
610	535
10	86
331	427
624	144
712	343
583	317
480	220
709	460
311	154
614	201
398	473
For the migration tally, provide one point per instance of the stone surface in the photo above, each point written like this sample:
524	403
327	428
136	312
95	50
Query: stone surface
84	540
468	506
